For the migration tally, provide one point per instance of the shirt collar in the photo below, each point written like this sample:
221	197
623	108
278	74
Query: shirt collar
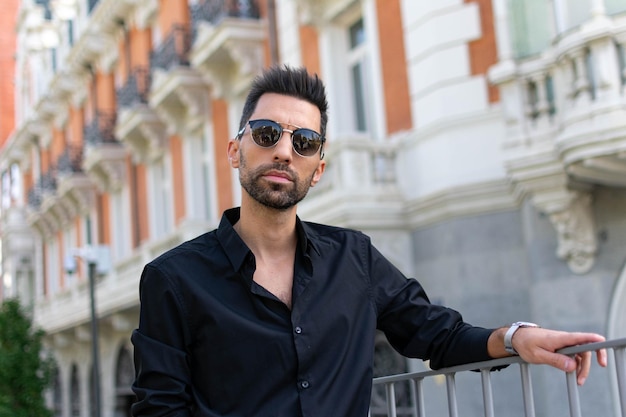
236	249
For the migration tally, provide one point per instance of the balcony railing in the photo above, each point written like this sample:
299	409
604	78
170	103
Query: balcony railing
101	128
213	11
174	50
136	88
47	184
71	160
415	381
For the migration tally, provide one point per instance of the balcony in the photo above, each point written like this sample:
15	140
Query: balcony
105	157
75	190
228	44
135	90
413	400
138	126
178	94
565	113
42	199
359	198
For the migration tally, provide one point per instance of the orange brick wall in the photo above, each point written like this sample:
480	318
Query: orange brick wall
393	65
224	174
309	46
8	17
483	51
178	178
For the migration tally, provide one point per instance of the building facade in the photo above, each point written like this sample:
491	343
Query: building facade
481	143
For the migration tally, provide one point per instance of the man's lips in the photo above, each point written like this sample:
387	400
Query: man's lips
278	176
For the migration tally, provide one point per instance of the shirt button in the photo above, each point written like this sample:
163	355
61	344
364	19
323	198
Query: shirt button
298	330
304	384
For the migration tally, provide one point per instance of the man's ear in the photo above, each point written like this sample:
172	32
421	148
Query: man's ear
317	175
233	153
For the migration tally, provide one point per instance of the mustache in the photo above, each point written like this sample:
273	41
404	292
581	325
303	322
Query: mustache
277	166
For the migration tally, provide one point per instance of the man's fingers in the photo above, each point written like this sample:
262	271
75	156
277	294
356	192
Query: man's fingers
584	363
601	356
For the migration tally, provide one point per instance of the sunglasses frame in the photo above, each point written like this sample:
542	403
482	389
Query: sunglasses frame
281	130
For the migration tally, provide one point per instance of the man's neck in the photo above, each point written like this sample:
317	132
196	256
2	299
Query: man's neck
266	230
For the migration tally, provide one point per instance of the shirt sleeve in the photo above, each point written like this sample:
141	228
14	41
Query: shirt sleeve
162	375
415	327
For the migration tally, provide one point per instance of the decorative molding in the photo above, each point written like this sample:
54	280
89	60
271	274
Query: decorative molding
180	98
230	54
106	166
143	132
576	233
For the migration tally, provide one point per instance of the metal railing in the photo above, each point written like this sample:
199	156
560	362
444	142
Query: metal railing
71	160
174	50
101	129
136	88
416	379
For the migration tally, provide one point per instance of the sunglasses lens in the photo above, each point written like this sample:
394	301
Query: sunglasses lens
264	133
306	142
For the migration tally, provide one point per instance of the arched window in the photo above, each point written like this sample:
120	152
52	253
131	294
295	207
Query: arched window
57	393
74	392
389	362
124	377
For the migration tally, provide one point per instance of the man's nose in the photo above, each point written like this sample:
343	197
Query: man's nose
284	149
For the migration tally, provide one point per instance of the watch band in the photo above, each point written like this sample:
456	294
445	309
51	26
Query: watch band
508	336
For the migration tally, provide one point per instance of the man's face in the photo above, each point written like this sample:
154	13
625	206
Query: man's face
277	177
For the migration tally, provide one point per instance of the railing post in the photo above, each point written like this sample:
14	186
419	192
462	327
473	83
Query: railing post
417	395
485	375
391	399
572	395
620	368
452	405
527	390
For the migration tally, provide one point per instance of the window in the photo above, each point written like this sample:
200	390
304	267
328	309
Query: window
389	362
532	26
199	178
121	226
52	266
357	57
615	6
57	393
74	393
160	190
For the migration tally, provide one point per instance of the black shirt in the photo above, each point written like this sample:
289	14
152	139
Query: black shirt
212	342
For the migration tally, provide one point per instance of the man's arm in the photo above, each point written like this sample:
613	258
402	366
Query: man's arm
539	346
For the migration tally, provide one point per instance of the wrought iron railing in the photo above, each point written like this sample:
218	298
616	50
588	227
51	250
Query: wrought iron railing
174	50
136	88
46	184
213	11
101	129
71	160
418	400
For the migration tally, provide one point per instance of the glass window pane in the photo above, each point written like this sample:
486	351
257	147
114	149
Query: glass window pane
531	25
359	97
578	11
615	6
357	34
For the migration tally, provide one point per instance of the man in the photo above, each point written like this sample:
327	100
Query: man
272	316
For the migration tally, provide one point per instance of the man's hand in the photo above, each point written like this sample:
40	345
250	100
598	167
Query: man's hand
539	346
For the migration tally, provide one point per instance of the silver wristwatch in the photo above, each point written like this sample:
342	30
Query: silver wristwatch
508	336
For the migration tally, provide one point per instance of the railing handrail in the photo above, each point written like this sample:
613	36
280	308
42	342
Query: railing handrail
416	378
495	363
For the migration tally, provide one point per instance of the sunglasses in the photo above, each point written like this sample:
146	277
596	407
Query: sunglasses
267	133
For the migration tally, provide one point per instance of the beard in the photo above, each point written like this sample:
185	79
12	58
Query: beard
279	196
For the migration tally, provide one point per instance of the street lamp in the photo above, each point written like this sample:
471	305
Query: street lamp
98	263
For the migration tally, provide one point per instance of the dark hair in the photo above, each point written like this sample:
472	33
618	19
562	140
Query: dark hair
295	82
